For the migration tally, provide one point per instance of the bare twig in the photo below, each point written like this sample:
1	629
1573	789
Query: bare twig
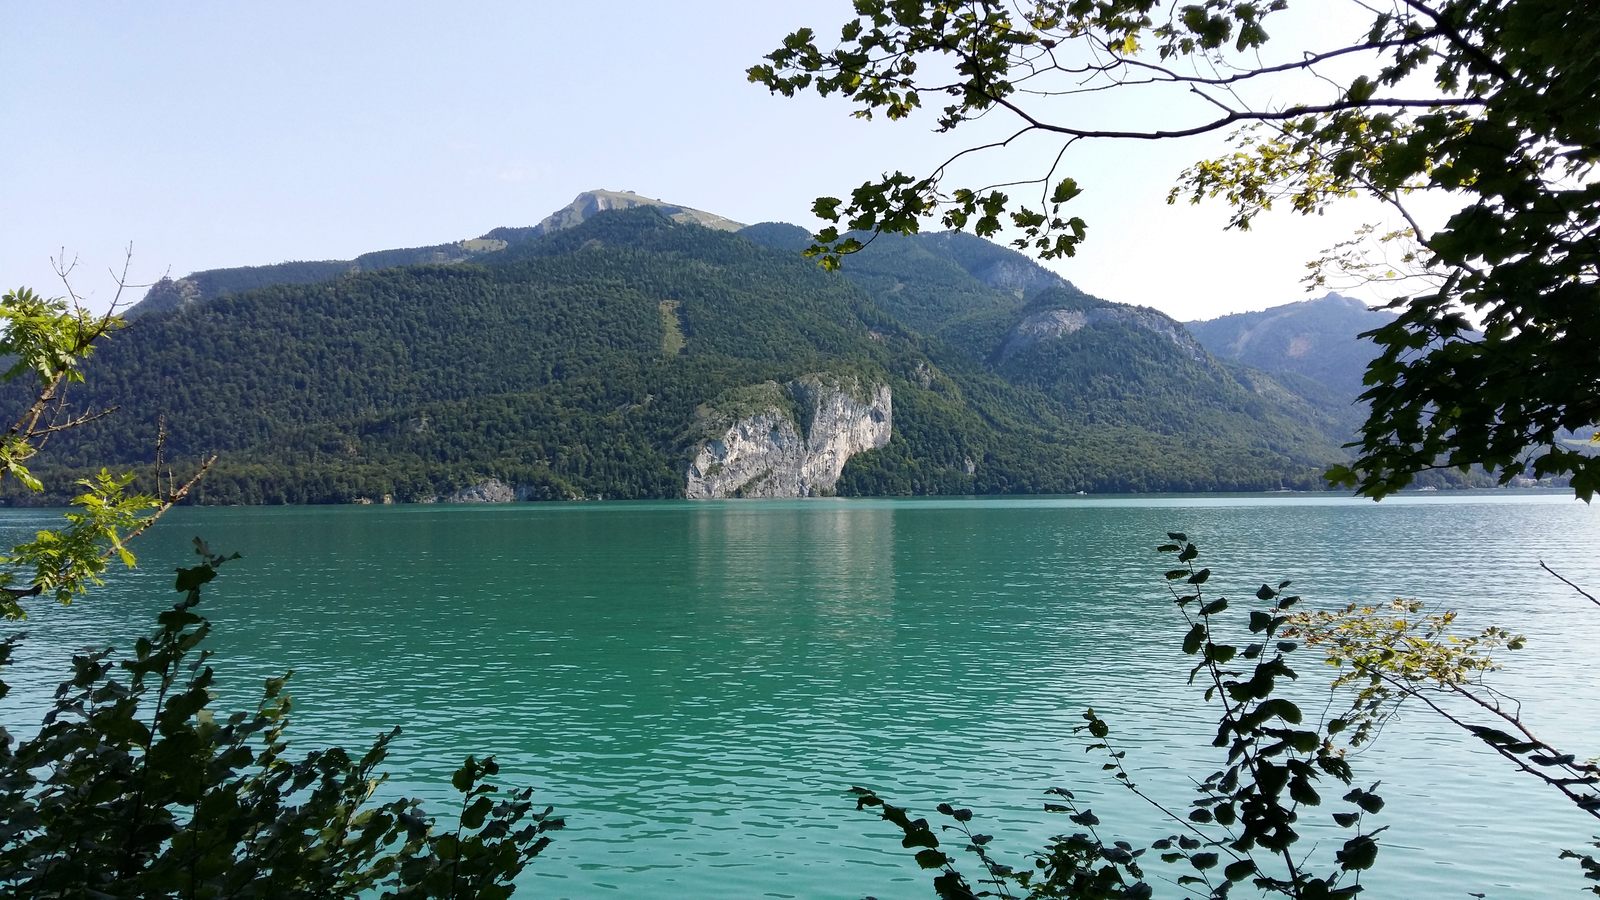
1565	581
168	501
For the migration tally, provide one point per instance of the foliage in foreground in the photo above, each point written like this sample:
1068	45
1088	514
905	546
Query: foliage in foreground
1490	104
46	341
1398	653
135	786
1245	824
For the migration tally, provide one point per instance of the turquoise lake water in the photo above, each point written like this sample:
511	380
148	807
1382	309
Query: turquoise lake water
696	686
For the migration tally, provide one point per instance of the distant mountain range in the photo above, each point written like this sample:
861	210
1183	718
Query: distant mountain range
628	347
1314	339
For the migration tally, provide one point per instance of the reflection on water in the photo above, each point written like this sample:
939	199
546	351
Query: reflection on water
696	685
833	564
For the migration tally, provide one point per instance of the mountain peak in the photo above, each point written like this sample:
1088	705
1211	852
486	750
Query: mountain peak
1319	339
1334	298
589	203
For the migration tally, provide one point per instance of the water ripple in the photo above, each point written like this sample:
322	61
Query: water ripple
696	686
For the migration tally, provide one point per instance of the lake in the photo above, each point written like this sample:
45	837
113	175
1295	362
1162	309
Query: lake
696	686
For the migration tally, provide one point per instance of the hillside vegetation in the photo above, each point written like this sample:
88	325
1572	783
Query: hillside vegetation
571	360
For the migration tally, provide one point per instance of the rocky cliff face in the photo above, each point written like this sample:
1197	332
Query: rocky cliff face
591	203
492	491
763	451
166	294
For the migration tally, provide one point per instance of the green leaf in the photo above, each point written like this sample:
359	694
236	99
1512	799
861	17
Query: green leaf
1065	190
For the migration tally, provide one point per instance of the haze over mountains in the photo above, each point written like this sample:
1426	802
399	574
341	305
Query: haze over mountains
1316	339
627	347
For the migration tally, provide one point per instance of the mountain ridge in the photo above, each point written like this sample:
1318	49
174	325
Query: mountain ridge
1317	339
575	363
169	293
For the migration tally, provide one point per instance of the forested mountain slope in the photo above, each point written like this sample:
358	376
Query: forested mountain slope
1315	339
588	360
198	287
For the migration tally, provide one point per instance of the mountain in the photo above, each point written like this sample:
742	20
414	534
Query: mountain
1103	364
198	287
591	203
638	353
1317	340
930	282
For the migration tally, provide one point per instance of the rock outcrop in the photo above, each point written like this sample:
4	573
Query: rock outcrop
591	203
790	440
1052	323
492	491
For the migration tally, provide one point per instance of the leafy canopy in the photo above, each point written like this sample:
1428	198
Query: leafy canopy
1491	101
136	786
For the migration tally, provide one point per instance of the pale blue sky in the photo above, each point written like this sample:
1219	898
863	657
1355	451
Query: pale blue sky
214	135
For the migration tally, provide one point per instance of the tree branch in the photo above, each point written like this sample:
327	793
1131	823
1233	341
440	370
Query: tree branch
1563	580
1306	63
1292	112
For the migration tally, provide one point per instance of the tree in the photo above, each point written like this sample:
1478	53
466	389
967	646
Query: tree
1493	102
133	785
47	340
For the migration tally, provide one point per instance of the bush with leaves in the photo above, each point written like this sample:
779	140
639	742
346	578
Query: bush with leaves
1401	652
133	785
136	787
46	340
1244	826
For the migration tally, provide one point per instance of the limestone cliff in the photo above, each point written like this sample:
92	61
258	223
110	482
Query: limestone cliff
491	491
788	440
591	203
